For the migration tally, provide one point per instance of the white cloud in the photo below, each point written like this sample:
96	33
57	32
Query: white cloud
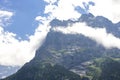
50	1
17	52
107	8
99	35
4	17
66	9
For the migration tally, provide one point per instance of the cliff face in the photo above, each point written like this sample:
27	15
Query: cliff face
70	50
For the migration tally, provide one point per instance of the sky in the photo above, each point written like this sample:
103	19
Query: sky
24	24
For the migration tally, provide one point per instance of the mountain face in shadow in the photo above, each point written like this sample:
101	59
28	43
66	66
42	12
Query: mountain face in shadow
105	69
46	71
67	56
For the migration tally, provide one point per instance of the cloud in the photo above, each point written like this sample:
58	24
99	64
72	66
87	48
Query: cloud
65	9
16	52
99	35
4	17
107	8
50	1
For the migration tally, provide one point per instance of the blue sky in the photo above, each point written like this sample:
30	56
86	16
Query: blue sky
23	22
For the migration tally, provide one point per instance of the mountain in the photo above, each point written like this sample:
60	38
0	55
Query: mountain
110	70
70	50
101	22
68	56
105	69
43	71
